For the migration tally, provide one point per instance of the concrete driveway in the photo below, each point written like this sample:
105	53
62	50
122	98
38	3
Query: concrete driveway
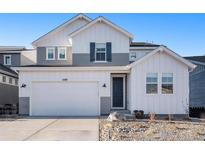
49	129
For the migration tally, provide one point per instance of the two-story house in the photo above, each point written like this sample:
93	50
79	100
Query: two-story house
12	56
91	67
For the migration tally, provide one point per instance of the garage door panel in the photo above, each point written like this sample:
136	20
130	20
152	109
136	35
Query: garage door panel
65	98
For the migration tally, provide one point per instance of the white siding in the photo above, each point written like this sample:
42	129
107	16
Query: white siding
100	33
7	80
28	57
176	103
73	76
60	38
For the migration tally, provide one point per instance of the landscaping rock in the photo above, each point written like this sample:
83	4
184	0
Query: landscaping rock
143	130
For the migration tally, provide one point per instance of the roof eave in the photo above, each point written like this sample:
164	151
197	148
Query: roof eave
62	25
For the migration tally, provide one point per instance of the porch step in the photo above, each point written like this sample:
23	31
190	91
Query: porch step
122	111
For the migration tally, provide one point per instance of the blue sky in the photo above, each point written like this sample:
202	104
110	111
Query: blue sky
183	33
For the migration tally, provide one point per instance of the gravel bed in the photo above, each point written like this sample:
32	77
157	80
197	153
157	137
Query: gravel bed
143	130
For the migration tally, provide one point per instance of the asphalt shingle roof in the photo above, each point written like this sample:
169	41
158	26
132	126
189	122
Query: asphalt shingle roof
196	58
143	44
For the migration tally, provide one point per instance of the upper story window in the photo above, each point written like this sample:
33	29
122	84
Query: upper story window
50	53
133	56
16	82
7	59
151	83
3	78
167	83
10	80
62	53
100	52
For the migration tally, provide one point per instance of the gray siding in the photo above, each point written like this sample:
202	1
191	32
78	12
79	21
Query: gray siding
24	103
15	58
197	87
105	105
41	57
8	94
118	59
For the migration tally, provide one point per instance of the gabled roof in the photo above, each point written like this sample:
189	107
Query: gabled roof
102	19
143	44
7	71
63	25
169	52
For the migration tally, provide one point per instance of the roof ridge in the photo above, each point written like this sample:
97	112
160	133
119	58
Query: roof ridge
106	20
64	23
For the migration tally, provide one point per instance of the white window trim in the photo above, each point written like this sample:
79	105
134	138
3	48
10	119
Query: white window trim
5	59
48	48
100	61
167	83
152	83
59	48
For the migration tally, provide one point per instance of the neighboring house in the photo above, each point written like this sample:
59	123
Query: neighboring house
140	49
8	86
197	82
12	56
91	67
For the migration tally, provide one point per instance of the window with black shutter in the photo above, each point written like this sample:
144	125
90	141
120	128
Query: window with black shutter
109	51
92	51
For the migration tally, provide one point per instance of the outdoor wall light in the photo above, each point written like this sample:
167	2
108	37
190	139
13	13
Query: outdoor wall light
23	85
65	79
104	85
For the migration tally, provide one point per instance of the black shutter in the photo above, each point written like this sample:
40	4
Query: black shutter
92	51
109	51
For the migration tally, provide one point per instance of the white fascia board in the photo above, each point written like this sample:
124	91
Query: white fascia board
143	48
58	28
101	19
121	69
178	57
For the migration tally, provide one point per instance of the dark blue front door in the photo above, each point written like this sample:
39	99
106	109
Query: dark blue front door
117	92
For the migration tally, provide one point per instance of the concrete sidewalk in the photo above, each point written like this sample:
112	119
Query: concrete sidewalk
49	129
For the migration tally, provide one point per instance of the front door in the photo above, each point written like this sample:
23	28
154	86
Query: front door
118	87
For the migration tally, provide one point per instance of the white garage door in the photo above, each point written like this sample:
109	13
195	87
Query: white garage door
64	99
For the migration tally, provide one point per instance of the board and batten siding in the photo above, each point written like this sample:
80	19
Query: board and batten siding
176	103
100	33
28	77
60	37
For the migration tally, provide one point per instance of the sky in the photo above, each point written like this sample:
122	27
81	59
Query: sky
182	33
